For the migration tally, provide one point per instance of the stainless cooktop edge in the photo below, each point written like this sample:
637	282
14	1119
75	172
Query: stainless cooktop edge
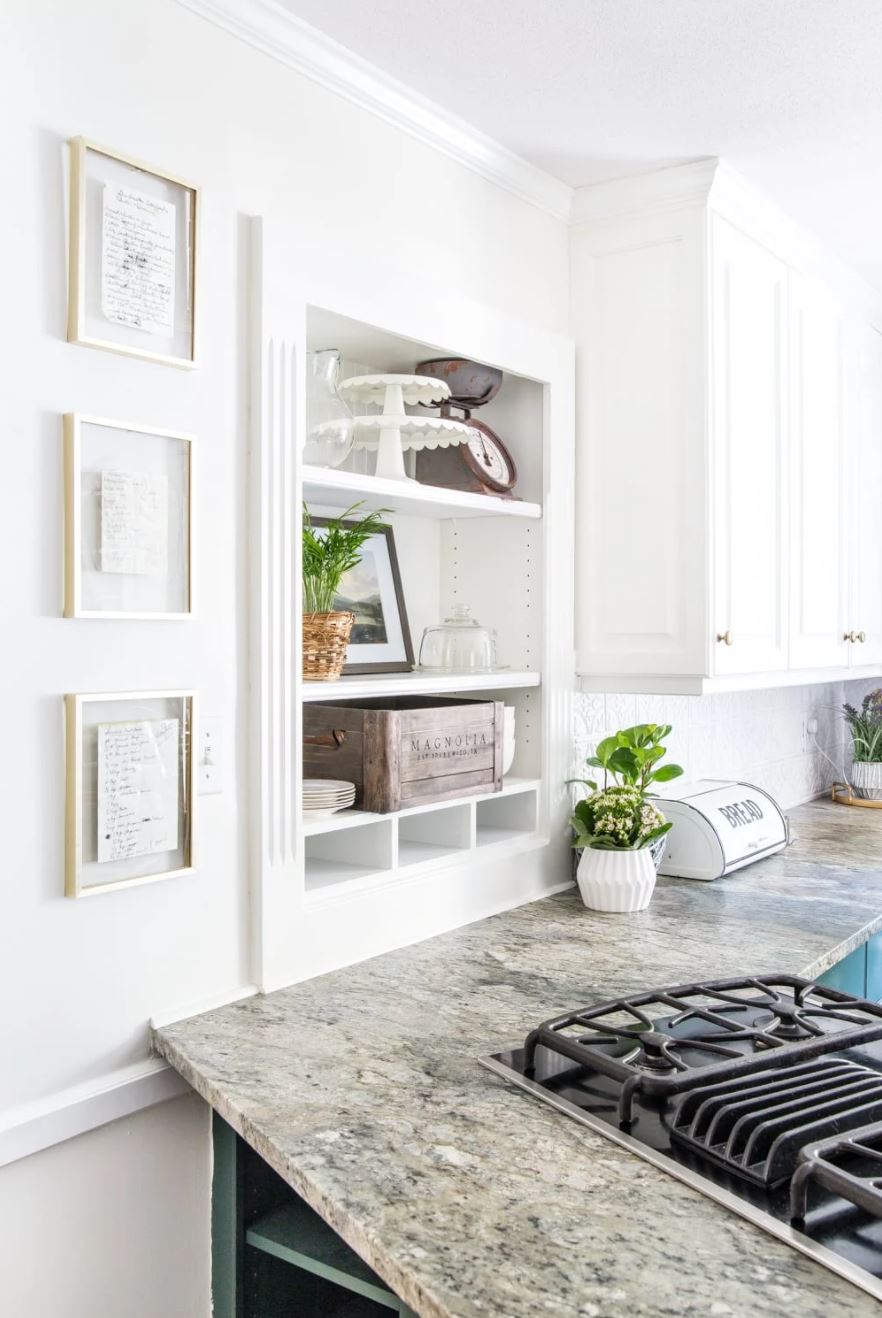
842	1267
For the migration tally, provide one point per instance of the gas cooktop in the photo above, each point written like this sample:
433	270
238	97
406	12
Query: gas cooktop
764	1092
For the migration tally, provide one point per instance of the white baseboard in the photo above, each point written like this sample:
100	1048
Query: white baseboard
71	1112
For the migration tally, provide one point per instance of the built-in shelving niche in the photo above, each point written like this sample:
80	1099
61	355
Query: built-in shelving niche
327	893
453	548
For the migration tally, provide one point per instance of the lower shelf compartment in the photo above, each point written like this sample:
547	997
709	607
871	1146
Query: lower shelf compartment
298	1236
334	858
506	818
273	1256
367	849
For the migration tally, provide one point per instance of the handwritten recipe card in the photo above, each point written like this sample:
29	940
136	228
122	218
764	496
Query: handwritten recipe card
138	260
134	523
137	788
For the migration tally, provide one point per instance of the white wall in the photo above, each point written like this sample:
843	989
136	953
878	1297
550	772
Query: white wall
113	1224
79	980
758	736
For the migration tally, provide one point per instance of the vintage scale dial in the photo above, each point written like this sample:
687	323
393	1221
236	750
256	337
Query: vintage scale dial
488	458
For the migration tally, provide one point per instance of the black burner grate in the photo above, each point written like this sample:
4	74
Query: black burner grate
668	1040
756	1125
849	1165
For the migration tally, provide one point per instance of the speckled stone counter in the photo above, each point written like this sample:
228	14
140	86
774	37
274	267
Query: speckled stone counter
469	1197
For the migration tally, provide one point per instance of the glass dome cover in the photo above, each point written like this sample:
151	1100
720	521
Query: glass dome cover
459	644
330	430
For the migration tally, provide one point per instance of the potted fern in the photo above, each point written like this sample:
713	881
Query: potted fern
329	552
865	725
619	830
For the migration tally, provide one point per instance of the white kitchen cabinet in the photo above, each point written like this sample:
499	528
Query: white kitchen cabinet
819	468
864	413
729	444
746	442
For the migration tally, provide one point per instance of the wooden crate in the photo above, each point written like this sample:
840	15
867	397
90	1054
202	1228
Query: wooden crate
406	750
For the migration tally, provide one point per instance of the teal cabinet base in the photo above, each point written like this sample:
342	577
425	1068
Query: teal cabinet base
848	975
860	972
272	1256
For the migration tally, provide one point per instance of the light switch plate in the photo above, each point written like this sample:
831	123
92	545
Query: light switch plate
210	760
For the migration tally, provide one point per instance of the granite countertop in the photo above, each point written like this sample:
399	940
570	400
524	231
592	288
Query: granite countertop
469	1197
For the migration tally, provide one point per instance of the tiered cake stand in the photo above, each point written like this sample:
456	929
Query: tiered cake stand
393	431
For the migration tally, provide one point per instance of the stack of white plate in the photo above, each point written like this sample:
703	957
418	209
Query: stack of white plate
325	796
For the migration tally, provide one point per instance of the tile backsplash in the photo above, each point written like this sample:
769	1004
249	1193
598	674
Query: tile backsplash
757	736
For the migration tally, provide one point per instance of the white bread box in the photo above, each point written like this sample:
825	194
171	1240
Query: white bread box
719	827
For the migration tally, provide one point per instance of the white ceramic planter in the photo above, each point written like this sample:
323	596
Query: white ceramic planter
866	779
616	880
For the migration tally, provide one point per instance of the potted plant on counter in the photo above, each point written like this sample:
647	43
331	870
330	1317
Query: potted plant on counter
620	830
865	725
328	554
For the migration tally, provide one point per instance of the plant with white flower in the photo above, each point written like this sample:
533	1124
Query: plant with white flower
620	814
619	818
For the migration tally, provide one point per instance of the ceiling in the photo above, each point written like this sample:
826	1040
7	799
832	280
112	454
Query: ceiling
788	91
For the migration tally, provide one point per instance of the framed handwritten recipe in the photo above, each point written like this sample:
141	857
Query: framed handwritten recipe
130	798
132	265
128	520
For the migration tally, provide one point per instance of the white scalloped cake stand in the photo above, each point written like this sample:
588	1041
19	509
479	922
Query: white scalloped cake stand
393	431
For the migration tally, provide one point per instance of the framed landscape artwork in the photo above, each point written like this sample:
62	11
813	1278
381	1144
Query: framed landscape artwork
380	639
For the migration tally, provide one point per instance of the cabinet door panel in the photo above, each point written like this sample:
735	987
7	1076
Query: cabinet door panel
638	310
865	432
748	348
818	600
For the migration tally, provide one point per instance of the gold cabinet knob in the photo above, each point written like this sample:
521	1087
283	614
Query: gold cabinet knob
725	638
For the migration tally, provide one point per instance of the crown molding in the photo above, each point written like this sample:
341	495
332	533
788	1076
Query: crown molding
269	27
660	190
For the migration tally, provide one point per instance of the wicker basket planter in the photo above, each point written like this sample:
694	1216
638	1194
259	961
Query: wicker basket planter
325	640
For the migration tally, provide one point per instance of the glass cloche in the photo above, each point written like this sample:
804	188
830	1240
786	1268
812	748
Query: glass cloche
459	644
329	427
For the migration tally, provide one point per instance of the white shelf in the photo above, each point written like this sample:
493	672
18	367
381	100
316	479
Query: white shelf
332	488
354	818
324	874
419	853
416	684
488	837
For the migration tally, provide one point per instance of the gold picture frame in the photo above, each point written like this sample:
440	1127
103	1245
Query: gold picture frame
141	711
81	532
177	203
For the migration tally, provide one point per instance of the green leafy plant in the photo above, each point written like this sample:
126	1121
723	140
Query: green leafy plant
618	816
630	758
330	551
865	725
617	819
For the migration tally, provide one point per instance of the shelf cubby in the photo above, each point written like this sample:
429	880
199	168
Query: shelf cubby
339	857
354	849
434	834
505	819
